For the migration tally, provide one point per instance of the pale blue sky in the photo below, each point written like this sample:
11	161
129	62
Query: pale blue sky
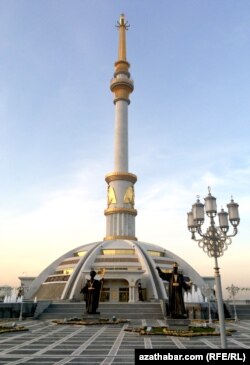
188	124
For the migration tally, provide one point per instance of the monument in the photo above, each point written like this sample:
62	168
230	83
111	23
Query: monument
176	312
127	260
91	292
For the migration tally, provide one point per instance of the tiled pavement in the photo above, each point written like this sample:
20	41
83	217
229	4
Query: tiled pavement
47	343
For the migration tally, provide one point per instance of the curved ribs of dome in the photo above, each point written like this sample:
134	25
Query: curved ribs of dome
124	261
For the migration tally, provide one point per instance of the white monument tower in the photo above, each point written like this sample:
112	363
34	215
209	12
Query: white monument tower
120	212
125	260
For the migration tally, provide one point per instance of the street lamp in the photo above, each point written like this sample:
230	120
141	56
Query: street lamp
233	290
214	241
207	291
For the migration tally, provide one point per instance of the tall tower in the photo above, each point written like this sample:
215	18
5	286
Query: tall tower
120	213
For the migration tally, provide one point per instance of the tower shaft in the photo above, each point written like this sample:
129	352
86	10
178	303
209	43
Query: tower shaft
120	212
121	136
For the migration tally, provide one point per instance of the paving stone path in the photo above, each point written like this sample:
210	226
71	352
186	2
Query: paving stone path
46	343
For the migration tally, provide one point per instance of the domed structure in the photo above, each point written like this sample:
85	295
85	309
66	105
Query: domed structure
123	263
120	258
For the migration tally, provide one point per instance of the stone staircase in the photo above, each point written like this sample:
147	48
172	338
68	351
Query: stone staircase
60	310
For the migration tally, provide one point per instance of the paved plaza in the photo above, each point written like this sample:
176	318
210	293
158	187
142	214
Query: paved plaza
48	343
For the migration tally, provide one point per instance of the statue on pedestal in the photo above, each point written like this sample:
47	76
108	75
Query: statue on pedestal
92	291
177	283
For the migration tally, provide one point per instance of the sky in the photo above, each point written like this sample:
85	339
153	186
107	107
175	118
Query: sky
189	125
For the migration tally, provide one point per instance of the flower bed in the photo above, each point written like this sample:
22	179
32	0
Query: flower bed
6	329
80	321
165	331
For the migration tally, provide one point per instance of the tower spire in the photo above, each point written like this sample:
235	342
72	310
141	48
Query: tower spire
120	212
123	26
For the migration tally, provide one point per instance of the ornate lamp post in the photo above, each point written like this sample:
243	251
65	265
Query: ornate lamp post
214	241
233	290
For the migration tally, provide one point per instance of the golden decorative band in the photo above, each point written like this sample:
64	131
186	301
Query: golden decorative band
121	67
124	99
116	175
120	210
108	238
122	83
122	64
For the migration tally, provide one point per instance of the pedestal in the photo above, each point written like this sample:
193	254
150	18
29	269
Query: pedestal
177	323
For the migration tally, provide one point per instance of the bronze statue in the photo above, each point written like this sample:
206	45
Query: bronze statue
177	283
91	293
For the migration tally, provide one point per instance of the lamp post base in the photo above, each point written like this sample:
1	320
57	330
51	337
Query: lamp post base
220	306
